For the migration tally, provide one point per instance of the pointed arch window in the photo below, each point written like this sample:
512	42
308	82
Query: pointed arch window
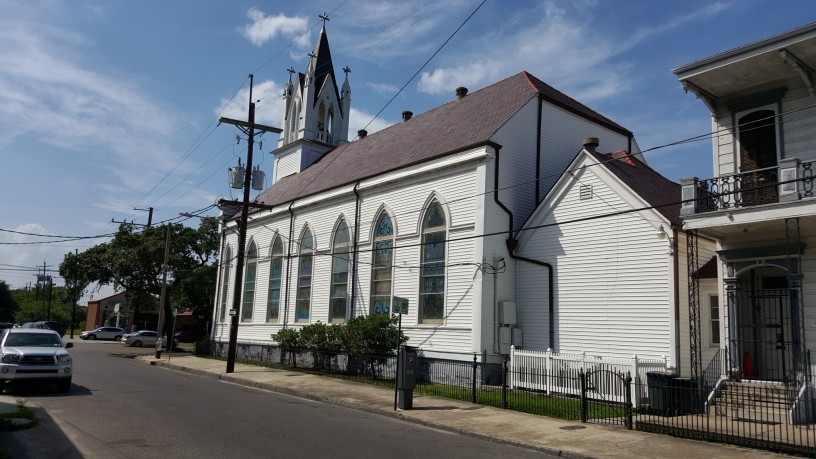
339	275
275	274
249	282
225	280
432	267
304	284
382	266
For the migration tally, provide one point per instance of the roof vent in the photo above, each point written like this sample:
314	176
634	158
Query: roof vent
461	92
407	114
591	143
362	133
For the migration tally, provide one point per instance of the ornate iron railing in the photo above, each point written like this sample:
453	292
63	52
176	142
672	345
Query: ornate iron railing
791	180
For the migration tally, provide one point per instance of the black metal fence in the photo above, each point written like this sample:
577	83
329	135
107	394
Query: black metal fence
774	417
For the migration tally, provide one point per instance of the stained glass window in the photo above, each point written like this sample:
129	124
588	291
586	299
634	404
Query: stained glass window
304	288
249	282
382	260
432	270
339	276
275	273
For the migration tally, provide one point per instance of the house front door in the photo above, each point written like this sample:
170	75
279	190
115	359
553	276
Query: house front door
766	340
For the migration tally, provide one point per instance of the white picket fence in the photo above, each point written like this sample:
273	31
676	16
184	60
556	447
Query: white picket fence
554	372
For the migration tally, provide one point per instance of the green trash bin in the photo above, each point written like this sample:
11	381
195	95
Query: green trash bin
662	393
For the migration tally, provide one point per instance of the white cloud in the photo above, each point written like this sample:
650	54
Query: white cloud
383	88
567	47
268	99
264	28
360	119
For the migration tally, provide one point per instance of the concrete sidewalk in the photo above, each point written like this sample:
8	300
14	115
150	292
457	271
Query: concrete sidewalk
554	436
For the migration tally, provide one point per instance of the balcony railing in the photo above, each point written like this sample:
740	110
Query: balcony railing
791	180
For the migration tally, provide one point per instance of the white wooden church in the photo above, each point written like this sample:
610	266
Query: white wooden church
431	209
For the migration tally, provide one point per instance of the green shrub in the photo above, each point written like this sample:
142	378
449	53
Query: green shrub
373	335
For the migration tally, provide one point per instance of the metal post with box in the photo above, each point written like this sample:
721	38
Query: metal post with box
406	379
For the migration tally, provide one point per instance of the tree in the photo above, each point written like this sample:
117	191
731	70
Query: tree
133	261
8	307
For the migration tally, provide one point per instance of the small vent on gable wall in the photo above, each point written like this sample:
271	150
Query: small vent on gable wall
586	192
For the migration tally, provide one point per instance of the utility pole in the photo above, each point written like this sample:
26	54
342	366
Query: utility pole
149	211
249	128
163	292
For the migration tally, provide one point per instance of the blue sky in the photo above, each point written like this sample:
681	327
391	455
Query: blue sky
107	106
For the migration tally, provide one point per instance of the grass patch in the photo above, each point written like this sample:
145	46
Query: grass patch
22	412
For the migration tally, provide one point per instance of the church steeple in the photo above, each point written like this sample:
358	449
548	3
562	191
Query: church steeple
314	110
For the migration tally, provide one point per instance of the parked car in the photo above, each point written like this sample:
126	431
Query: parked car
47	325
113	333
35	355
188	336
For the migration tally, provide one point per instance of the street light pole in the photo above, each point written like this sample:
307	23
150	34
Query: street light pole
249	128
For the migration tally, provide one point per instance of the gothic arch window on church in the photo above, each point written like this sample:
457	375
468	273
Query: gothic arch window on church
339	274
295	119
304	284
330	124
226	260
275	274
321	117
432	267
382	265
249	282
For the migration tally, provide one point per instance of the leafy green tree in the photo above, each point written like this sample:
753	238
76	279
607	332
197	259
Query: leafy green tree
133	261
8	307
34	305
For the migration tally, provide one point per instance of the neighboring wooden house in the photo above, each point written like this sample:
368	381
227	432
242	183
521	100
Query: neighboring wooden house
760	206
427	209
609	231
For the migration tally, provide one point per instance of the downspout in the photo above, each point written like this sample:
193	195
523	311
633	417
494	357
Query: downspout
511	243
289	263
538	152
220	281
355	247
497	149
511	246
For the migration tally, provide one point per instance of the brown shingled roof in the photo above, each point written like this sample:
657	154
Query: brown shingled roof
657	190
447	129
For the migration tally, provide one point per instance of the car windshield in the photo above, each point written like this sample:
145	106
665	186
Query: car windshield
33	340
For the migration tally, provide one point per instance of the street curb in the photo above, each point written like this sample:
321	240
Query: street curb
379	411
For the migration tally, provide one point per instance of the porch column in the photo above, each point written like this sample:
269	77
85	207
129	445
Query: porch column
732	368
797	325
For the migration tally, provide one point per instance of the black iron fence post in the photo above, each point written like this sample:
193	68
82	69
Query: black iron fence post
627	385
504	385
584	407
473	382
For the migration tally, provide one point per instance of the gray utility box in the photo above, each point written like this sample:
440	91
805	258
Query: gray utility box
406	379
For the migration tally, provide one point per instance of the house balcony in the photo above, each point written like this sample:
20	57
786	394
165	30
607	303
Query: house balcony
791	180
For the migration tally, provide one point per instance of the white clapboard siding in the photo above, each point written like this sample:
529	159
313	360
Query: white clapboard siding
612	275
562	135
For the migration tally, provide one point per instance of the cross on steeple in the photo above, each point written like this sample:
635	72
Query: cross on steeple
346	70
291	70
324	17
